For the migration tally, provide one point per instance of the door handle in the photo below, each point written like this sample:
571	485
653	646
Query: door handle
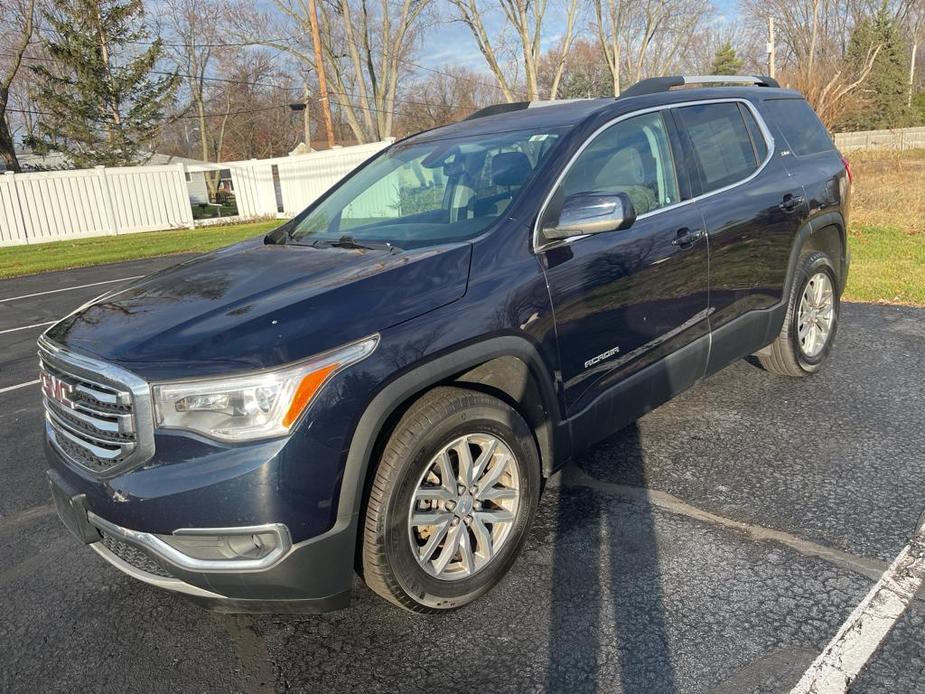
791	202
687	237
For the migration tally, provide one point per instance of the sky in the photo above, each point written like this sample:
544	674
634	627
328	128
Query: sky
451	43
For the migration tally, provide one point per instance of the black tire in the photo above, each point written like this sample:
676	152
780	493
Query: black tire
785	355
434	421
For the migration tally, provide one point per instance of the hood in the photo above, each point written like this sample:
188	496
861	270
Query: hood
255	305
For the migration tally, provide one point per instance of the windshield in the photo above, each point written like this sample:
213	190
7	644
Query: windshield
427	193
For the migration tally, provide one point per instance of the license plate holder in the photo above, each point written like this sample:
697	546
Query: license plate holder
71	508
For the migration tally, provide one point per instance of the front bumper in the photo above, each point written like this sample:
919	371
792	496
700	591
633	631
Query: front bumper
291	578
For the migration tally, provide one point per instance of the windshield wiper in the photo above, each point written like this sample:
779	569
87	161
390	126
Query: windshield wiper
347	241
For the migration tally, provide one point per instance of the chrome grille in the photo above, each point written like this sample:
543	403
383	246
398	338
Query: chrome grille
94	418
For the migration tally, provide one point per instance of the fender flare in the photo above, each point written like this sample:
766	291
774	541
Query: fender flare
419	379
809	227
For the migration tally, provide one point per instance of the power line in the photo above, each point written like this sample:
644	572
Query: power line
223	44
193	117
256	83
267	43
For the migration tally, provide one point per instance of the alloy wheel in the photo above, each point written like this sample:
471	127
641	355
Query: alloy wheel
464	506
816	314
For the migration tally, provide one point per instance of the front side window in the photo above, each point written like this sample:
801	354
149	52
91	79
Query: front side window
420	194
721	142
632	157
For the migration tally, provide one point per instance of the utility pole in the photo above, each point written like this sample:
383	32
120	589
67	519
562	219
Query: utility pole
319	66
772	53
307	138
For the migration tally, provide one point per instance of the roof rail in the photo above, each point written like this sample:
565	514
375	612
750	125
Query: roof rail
655	85
495	109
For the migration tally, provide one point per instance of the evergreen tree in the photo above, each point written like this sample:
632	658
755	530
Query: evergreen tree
885	90
725	62
98	99
918	107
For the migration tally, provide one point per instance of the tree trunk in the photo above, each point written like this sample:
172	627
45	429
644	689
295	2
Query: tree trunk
7	152
211	178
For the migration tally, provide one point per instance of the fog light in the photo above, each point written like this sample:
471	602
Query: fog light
217	547
226	549
250	548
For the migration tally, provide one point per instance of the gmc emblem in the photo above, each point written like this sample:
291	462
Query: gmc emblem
57	390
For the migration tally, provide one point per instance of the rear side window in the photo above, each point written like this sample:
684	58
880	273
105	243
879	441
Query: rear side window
801	127
721	142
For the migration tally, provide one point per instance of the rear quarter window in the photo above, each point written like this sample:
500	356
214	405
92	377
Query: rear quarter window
804	132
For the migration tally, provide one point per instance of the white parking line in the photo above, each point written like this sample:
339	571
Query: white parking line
20	385
27	327
67	289
860	636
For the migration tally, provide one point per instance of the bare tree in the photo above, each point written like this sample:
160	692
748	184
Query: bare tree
829	86
246	110
813	38
16	21
648	38
913	18
585	74
367	47
253	120
443	96
196	32
659	35
525	19
610	16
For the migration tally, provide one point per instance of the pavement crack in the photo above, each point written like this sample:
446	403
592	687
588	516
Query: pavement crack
871	568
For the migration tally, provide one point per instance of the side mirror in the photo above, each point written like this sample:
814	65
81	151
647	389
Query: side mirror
592	213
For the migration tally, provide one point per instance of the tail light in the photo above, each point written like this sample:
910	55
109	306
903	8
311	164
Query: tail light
847	169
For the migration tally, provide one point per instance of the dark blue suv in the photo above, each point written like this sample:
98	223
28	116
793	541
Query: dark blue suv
382	384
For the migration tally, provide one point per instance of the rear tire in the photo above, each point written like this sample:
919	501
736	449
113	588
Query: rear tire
806	337
475	535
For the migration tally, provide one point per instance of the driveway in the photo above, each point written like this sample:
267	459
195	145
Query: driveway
717	545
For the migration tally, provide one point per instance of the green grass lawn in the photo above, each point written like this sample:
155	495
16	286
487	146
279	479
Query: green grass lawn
62	255
887	266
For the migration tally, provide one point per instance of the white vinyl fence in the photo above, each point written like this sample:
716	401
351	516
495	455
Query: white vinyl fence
901	138
54	205
37	207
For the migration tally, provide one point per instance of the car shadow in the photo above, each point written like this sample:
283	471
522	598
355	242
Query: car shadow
599	611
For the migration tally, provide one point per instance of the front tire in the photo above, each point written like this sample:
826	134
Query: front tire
806	337
452	500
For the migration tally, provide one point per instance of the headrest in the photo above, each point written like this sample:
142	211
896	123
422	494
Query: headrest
510	169
624	168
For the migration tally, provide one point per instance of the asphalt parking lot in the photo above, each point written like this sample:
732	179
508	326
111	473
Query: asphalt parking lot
717	545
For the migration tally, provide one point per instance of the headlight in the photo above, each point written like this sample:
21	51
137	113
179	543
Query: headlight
256	405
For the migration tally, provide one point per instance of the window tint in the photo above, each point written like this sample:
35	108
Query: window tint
721	142
632	157
804	132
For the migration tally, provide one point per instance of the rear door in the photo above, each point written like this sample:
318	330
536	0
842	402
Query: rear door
752	209
810	156
624	300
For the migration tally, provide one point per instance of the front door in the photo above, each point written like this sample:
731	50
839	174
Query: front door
625	300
